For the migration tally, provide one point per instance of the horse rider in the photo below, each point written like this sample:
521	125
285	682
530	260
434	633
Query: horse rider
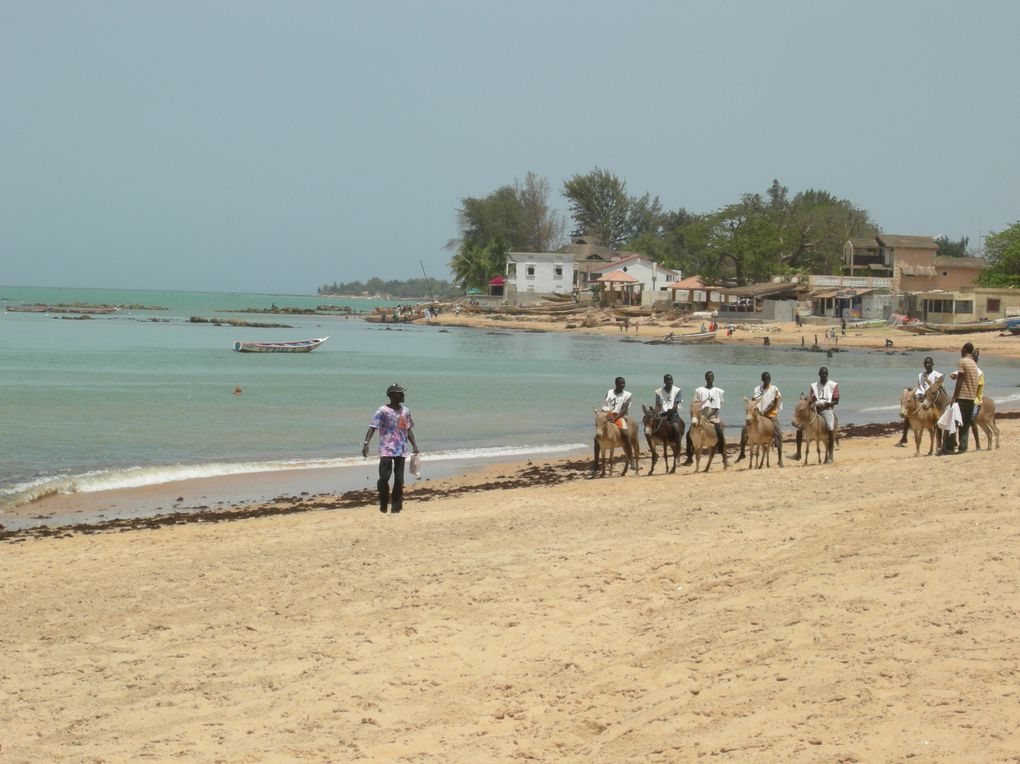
824	397
617	403
925	379
769	402
711	399
667	403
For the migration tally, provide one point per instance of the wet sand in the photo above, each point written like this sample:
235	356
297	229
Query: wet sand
864	611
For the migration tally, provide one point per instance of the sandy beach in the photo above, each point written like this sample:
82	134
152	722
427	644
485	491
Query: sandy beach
528	613
783	334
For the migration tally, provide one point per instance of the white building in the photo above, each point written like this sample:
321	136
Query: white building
532	274
655	279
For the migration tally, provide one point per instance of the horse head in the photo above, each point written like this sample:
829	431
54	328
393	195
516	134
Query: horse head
696	407
802	412
906	399
603	427
750	409
651	420
933	395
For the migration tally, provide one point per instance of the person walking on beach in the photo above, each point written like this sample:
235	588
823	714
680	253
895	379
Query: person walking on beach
394	423
711	399
769	402
964	394
925	379
617	403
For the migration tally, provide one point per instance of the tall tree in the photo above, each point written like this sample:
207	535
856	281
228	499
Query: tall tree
951	248
599	206
816	226
519	215
1002	250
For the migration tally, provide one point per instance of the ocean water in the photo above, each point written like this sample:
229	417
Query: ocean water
144	397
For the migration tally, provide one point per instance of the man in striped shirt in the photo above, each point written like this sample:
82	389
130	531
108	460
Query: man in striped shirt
963	395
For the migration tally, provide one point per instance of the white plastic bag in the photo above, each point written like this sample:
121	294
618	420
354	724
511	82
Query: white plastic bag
416	464
950	419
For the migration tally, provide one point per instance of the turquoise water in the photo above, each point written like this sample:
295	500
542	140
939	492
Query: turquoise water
123	400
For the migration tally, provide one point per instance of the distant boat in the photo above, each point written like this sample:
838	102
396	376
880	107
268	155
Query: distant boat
301	346
1013	325
928	327
685	339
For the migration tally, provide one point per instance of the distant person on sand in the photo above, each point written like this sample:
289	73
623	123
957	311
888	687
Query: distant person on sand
394	423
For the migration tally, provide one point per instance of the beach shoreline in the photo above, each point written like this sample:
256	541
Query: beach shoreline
862	611
991	344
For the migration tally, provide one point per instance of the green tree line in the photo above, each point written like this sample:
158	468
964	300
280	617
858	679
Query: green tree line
411	288
760	235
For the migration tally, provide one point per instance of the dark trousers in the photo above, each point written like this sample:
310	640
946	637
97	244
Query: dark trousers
967	415
391	465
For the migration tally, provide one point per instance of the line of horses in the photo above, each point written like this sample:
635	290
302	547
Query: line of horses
922	413
660	433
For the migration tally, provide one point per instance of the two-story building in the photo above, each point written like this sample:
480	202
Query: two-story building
911	262
532	274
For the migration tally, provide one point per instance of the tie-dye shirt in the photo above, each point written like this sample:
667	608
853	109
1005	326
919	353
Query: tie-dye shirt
393	427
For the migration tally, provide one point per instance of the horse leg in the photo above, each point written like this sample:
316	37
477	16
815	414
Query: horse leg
595	463
918	434
655	455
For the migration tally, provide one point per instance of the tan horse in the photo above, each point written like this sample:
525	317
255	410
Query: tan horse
921	419
761	434
807	420
986	421
609	437
703	435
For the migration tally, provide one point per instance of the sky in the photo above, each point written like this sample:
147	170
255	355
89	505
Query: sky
276	146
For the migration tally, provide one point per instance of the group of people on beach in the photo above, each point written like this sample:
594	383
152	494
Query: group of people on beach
394	423
963	406
823	397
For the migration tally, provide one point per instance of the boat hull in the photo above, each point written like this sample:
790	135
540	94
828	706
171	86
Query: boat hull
301	346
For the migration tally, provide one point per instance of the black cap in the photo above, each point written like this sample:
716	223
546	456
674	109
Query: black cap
395	388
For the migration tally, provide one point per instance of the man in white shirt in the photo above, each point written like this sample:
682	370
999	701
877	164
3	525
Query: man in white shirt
711	399
825	397
617	403
925	379
667	403
769	402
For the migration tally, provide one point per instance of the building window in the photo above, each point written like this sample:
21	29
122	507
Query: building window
558	272
964	306
993	306
530	271
945	273
511	269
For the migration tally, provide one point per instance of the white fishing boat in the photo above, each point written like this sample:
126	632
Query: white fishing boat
300	346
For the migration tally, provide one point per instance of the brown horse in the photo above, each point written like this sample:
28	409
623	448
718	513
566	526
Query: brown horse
658	430
986	421
807	420
761	434
609	437
703	435
921	419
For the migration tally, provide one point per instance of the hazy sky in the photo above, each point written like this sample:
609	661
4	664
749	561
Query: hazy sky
275	146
